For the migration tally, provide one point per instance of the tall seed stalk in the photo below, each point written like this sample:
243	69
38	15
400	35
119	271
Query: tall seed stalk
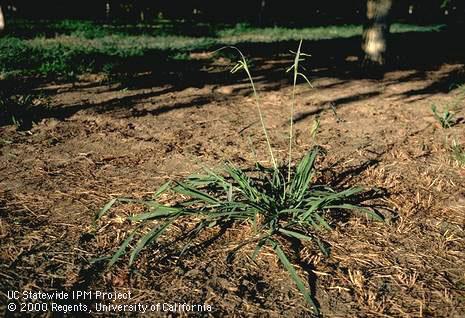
296	74
242	64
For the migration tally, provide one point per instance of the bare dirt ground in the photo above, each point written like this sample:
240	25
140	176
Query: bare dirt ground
117	140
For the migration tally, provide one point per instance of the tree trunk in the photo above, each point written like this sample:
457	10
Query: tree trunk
2	20
376	31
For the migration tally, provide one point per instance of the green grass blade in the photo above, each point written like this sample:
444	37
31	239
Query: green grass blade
305	78
145	240
232	214
294	212
232	253
161	190
201	180
303	175
122	249
322	221
193	233
314	206
369	213
259	247
216	179
296	235
243	182
149	203
161	211
192	192
105	209
331	196
322	247
295	277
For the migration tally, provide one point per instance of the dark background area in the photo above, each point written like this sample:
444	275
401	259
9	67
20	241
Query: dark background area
260	12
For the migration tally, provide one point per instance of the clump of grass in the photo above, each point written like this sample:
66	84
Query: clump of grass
445	118
281	202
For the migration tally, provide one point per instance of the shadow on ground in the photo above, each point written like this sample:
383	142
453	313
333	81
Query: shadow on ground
335	58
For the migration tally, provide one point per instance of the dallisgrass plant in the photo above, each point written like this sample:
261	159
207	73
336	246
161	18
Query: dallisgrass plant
281	202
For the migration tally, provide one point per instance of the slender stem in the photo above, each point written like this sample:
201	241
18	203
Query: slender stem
243	64
291	129
257	101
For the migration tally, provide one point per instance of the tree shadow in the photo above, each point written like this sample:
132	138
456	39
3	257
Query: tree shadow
342	178
338	102
442	85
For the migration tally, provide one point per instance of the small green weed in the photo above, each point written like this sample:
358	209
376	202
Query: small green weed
281	203
445	118
15	108
458	153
